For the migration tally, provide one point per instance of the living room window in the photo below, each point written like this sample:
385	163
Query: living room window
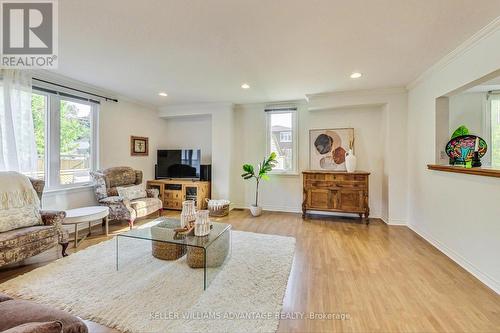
66	138
282	138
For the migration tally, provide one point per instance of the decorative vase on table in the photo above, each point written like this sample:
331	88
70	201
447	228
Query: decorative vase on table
188	213
350	161
202	224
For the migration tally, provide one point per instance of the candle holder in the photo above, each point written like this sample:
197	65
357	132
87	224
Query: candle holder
188	213
476	161
202	224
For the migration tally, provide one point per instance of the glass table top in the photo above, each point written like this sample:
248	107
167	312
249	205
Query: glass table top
164	232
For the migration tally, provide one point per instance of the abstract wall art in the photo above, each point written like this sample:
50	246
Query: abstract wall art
327	148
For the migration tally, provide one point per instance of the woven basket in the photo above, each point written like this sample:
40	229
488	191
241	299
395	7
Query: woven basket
167	251
216	256
218	211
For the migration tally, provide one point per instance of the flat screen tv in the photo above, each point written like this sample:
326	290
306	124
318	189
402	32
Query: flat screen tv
178	163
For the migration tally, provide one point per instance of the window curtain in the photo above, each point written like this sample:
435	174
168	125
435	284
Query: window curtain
17	135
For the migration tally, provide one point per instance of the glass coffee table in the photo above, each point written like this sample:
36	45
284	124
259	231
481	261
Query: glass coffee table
209	252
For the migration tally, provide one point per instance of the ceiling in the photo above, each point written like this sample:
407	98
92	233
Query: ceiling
203	50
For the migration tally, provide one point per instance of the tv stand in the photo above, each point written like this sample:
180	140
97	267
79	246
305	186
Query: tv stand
174	191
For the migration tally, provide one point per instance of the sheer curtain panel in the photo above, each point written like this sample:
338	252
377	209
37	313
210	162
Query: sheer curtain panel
17	136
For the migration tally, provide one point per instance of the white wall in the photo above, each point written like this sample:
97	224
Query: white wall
394	105
378	116
284	193
192	132
117	122
467	109
458	213
222	138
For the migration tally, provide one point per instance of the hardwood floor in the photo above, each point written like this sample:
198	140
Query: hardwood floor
381	278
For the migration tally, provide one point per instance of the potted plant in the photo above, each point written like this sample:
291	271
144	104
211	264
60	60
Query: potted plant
263	168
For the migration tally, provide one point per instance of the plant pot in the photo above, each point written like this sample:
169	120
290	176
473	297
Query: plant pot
255	210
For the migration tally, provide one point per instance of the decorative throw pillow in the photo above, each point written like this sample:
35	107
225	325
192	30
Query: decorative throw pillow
132	192
99	185
19	203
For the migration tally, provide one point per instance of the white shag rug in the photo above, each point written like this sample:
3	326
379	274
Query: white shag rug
152	295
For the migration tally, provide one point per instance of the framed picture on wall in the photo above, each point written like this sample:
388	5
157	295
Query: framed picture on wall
139	146
327	148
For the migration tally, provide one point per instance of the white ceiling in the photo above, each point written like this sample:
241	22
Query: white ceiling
203	50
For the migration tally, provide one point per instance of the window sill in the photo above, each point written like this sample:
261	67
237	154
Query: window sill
486	172
76	188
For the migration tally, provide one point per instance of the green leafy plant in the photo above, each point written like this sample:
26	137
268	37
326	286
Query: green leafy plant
262	169
462	130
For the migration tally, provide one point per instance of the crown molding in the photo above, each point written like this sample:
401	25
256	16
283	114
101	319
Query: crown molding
204	106
360	92
193	110
294	102
64	80
485	32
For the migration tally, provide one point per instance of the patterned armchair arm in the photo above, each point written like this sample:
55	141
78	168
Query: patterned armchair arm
152	192
55	218
119	208
112	200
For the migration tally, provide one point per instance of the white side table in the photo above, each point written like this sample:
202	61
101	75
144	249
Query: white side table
86	214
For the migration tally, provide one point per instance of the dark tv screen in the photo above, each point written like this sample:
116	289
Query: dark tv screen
179	163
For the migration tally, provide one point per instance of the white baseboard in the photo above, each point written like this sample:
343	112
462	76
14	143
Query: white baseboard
464	263
290	209
397	222
285	209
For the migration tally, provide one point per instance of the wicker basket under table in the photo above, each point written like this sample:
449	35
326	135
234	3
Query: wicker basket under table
217	253
168	251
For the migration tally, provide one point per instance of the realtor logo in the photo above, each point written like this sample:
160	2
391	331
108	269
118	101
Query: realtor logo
29	34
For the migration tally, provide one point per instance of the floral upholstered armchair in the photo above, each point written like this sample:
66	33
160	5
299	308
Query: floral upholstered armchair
25	242
52	217
109	181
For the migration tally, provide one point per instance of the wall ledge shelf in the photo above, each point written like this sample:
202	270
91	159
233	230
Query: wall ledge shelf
487	172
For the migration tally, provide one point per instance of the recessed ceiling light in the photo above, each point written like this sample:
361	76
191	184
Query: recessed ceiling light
245	86
163	94
356	75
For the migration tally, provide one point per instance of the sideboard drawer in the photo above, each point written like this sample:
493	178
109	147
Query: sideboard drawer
172	204
173	195
309	184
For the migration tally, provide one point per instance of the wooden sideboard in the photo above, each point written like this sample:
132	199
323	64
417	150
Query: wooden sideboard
173	192
336	191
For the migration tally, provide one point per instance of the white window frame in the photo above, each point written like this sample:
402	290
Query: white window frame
295	144
52	139
487	125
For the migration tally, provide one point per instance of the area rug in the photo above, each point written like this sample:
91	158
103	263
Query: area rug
152	295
